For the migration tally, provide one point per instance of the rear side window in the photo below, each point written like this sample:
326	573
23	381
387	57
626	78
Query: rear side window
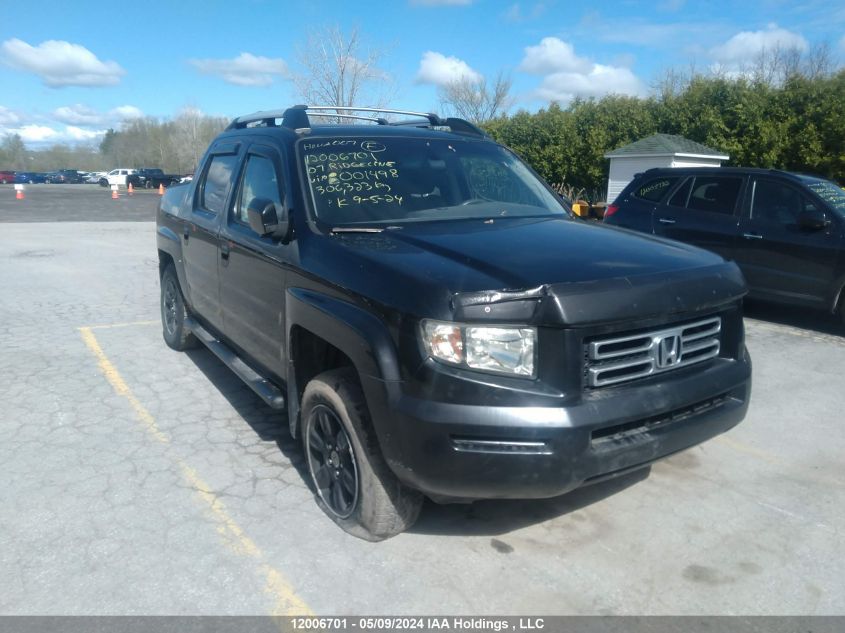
714	194
217	182
653	190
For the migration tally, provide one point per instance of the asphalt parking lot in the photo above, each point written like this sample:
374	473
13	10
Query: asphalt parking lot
137	480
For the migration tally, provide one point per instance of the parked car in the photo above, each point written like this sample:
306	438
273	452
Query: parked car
7	177
94	177
433	319
152	178
65	176
121	177
30	177
786	231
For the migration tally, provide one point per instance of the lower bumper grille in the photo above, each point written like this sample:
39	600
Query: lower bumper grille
604	437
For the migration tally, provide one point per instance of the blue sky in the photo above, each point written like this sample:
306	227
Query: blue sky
68	71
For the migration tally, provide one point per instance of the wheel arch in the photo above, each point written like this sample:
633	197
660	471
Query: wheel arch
326	333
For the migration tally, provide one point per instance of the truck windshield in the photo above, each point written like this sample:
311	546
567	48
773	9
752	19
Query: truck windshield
394	180
828	192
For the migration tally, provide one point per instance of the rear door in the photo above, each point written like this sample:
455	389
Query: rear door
703	211
200	237
779	258
252	266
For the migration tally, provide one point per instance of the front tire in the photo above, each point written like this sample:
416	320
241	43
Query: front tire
173	313
354	485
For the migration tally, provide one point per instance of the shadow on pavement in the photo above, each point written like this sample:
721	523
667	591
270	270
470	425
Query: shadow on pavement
268	424
804	318
489	517
499	516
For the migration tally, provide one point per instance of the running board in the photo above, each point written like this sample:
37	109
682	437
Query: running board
266	390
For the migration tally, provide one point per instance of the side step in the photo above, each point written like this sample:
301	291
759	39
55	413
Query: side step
268	392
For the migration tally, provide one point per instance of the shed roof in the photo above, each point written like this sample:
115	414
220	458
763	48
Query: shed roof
666	145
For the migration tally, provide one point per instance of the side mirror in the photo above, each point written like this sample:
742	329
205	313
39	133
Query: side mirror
268	218
813	219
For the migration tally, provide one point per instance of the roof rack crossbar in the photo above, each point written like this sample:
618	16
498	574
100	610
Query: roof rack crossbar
296	118
378	120
433	118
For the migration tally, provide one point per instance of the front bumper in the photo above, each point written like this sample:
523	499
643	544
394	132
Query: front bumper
466	452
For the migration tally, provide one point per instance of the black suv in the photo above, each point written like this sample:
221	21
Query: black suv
65	176
785	231
434	321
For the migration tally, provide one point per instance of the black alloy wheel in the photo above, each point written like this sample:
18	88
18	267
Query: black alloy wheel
331	461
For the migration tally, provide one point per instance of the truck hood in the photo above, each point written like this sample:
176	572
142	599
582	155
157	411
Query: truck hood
551	270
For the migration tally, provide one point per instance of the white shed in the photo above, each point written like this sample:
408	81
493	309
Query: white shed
659	150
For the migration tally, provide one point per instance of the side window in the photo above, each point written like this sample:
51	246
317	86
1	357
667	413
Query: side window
653	190
680	197
259	181
714	194
217	182
776	202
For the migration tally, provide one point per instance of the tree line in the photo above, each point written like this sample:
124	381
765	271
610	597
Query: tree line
797	124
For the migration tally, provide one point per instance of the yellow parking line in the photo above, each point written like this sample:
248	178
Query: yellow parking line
275	584
108	326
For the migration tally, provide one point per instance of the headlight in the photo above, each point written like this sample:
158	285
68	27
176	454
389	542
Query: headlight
503	350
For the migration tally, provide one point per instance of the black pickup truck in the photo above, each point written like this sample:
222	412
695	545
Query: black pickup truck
152	178
433	319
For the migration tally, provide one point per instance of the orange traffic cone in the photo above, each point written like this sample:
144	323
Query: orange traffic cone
114	194
161	189
19	194
131	189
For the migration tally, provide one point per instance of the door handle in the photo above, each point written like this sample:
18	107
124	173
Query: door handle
666	220
752	236
224	250
186	232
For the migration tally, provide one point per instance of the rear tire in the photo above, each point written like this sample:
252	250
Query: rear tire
353	483
173	313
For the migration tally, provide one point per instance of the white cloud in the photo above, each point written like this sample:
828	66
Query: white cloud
744	46
441	3
79	114
552	55
599	81
566	75
244	70
60	63
515	13
436	68
35	134
8	117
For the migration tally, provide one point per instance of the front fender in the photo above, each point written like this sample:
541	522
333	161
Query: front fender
359	334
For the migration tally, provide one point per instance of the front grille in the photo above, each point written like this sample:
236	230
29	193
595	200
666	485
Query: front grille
619	359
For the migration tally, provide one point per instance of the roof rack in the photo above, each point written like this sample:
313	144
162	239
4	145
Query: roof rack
297	118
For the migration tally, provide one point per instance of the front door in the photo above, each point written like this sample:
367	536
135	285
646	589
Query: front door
779	258
252	271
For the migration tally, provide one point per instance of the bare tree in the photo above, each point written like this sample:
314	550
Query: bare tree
340	69
773	66
14	151
475	100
